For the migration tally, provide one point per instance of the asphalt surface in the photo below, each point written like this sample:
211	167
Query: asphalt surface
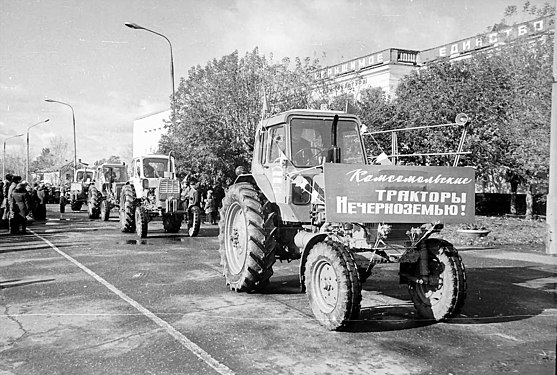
79	297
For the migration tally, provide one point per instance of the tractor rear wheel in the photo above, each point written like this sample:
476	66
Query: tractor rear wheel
127	209
105	210
247	239
443	295
172	222
332	285
93	203
194	221
141	222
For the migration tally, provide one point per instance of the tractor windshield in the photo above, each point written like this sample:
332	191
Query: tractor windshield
115	173
86	176
155	167
311	139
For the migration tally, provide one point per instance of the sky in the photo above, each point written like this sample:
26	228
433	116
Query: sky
81	53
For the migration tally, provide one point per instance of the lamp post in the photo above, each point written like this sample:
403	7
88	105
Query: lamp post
4	157
73	121
137	27
28	174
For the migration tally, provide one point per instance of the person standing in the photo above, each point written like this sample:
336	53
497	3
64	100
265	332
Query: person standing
210	207
19	207
6	210
40	197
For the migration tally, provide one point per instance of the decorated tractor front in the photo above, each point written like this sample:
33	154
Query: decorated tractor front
312	195
76	192
104	193
153	191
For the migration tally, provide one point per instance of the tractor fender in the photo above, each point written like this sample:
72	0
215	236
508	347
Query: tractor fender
305	241
259	181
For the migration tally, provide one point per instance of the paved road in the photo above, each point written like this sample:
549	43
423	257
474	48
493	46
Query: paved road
80	297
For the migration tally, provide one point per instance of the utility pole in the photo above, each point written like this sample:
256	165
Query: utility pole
551	214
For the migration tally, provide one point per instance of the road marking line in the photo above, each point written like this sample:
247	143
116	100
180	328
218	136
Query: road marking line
187	343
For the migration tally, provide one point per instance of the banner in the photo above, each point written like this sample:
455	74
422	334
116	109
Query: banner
398	194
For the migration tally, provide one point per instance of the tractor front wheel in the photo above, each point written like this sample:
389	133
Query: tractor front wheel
105	210
127	209
443	295
194	221
332	285
247	239
93	203
141	222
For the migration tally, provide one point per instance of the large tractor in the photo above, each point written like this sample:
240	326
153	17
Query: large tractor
104	192
314	195
154	191
76	193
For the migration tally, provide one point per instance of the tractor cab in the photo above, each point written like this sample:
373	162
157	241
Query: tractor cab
291	149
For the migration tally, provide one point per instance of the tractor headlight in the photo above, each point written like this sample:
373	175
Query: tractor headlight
301	190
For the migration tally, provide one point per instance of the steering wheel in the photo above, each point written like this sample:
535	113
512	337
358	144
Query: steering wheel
307	156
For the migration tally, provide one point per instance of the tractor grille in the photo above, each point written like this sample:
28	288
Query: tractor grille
169	187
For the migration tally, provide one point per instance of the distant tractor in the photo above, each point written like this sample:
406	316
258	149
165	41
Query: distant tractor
76	193
153	191
104	192
314	195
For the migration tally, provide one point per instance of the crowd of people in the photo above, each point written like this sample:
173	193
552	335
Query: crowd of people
21	203
207	199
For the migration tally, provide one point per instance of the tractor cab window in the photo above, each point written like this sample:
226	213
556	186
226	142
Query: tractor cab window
278	144
154	168
311	140
348	140
88	176
79	176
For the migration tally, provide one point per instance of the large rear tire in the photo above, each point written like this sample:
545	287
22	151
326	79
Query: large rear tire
93	203
127	209
247	239
443	296
141	222
194	221
332	285
172	222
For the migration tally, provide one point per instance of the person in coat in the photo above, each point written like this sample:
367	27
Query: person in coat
19	208
40	197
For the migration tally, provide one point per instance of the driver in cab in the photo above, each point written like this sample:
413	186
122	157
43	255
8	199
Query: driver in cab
304	150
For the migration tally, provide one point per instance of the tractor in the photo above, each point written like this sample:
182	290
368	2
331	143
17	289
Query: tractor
313	195
104	192
76	193
154	191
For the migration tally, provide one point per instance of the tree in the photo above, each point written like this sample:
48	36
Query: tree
219	106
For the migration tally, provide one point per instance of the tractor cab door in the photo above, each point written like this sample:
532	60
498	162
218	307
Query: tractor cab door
273	161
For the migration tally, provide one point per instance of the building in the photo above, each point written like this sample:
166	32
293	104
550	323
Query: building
384	69
147	132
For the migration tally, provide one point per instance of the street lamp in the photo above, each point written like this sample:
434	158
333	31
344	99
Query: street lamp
137	27
27	174
73	120
4	158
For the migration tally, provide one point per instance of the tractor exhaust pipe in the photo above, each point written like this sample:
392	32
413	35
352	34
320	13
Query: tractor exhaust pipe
333	155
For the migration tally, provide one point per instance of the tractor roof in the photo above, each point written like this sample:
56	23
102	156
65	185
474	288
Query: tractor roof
283	117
